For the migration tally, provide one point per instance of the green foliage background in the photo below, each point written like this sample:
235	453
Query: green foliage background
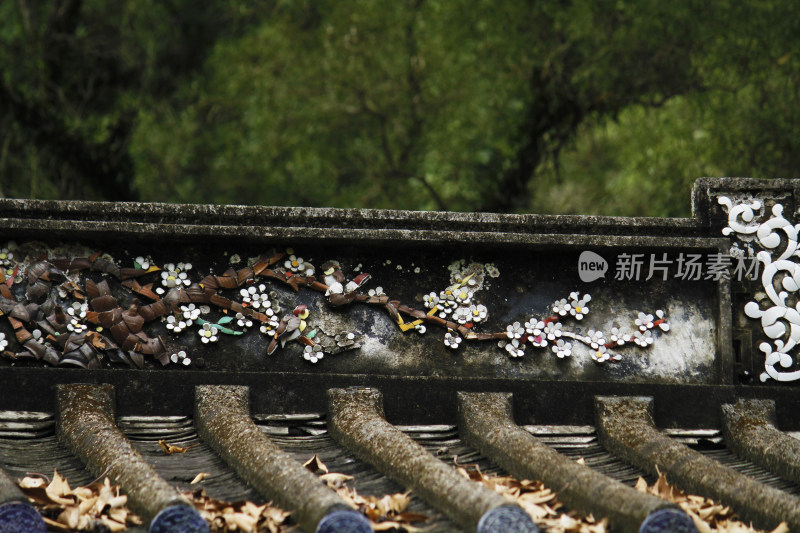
582	106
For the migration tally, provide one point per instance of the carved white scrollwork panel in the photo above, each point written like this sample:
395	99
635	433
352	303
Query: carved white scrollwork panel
777	239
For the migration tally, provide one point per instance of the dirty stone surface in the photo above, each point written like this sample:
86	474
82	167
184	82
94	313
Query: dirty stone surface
625	427
8	490
347	225
486	423
749	430
85	424
355	420
223	422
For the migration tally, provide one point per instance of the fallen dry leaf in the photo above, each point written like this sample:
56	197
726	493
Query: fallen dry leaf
315	465
169	449
198	478
335	480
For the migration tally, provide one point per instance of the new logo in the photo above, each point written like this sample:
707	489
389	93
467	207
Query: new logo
591	266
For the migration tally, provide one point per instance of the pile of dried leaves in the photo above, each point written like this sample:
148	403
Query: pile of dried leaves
100	505
243	516
537	500
708	516
387	513
81	508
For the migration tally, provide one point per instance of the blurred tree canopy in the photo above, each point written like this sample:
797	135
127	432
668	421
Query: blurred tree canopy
577	106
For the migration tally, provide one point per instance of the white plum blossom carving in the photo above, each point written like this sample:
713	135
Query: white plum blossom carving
208	333
579	307
596	338
377	291
515	331
463	297
644	321
561	307
601	354
619	336
77	312
180	358
462	315
553	330
7	261
562	348
451	341
515	348
243	321
175	325
268	327
478	313
173	276
142	262
313	354
190	313
431	300
447	307
257	298
643	338
298	265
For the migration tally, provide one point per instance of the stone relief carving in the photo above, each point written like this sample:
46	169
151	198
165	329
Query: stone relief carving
62	316
774	242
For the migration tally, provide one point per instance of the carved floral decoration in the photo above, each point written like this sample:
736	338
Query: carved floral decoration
776	240
64	318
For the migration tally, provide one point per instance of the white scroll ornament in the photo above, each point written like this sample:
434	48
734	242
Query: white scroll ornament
780	278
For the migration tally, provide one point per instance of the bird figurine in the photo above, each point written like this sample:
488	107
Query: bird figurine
290	328
338	292
334	278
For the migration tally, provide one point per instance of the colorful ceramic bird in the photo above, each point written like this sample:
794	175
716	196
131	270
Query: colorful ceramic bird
338	293
356	282
290	328
334	278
